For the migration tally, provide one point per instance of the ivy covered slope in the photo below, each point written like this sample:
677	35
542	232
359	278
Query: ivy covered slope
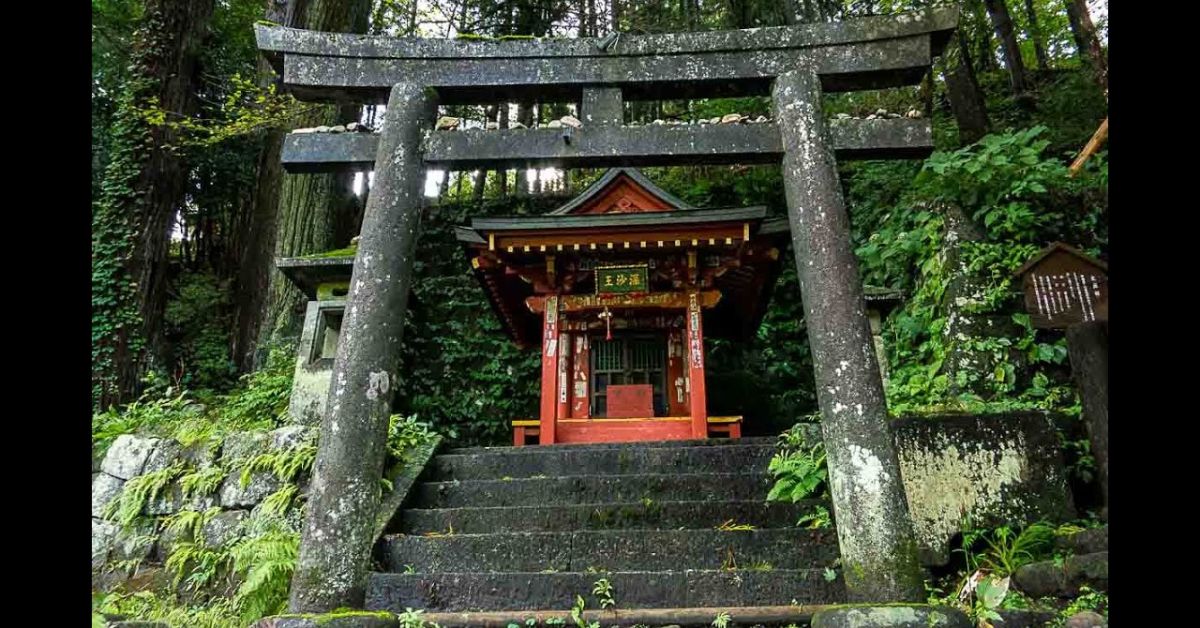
197	501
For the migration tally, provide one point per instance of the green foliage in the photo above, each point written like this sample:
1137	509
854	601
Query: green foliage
577	614
1087	600
603	591
721	620
149	606
139	491
406	434
266	562
1014	199
202	482
285	464
799	468
188	523
259	402
818	519
195	566
198	325
1005	549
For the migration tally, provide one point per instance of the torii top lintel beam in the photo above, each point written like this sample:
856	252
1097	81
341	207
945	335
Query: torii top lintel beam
868	53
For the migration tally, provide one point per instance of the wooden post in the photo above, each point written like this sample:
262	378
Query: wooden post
1087	347
550	355
695	352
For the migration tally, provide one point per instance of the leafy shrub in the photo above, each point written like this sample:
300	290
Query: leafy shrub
799	468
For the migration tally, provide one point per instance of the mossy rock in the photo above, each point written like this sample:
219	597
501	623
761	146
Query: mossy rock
890	616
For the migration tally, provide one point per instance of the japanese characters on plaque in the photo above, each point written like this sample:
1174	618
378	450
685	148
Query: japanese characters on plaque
551	327
1072	297
1064	287
695	343
621	279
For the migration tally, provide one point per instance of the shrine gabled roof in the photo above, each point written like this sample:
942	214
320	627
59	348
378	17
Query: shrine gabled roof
1053	248
600	221
611	179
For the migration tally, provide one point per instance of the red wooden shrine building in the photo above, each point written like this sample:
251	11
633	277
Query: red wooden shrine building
619	288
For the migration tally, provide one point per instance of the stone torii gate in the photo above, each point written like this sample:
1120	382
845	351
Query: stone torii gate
795	65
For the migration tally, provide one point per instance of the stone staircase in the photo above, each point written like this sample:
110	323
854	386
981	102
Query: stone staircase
529	529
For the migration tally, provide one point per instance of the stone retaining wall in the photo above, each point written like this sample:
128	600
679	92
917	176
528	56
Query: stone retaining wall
131	456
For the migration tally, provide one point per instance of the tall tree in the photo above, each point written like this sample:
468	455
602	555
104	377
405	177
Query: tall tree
257	264
143	187
966	98
316	212
1087	43
1035	34
1002	22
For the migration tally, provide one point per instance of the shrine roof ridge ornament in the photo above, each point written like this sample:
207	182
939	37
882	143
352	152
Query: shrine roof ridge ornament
612	175
866	53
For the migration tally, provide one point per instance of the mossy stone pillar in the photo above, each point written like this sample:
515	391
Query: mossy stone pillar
879	554
339	527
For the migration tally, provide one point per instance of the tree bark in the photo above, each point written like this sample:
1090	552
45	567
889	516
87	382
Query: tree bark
1035	34
165	73
316	212
1087	347
257	264
982	31
1087	42
966	99
1002	22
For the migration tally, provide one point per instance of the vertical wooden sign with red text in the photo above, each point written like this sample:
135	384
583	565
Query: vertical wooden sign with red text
550	355
695	361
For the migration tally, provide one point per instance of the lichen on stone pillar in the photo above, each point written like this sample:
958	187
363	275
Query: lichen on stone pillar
343	501
879	553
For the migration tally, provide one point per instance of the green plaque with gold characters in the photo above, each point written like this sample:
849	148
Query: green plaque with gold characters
621	279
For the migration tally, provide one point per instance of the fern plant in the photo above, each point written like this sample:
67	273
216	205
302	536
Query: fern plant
188	523
266	562
202	482
139	491
285	464
196	566
799	474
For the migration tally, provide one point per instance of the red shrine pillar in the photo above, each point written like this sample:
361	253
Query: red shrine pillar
695	365
550	358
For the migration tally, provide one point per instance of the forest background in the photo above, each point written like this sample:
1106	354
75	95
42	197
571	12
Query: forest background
191	207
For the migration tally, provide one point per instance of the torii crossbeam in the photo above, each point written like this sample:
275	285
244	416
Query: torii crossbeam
795	65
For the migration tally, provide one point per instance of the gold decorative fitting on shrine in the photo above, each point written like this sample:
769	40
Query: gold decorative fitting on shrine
492	242
526	248
475	263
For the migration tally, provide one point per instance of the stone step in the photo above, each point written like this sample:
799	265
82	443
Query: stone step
781	616
1049	579
459	592
562	462
613	550
546	491
538	449
630	515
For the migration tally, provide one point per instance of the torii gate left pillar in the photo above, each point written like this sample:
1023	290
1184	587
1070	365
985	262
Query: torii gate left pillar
343	499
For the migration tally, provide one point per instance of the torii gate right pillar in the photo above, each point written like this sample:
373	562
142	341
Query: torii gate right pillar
875	535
